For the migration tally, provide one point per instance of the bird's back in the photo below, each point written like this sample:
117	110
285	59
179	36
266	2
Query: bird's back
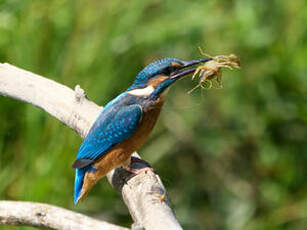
121	128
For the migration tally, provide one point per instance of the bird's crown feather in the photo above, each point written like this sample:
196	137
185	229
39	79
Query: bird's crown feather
151	70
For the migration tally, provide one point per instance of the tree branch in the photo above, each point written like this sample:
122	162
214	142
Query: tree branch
144	194
48	216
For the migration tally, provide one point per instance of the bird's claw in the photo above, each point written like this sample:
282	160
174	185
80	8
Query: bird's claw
138	166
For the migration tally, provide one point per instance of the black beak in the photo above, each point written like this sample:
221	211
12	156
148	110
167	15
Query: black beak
183	72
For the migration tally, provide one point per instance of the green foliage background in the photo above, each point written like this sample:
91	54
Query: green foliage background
231	159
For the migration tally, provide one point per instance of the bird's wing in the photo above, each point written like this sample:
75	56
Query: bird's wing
111	128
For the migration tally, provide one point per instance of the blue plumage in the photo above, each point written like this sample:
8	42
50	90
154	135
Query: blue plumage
115	124
152	70
79	177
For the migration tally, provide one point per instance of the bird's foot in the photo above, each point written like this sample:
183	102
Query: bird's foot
141	170
138	166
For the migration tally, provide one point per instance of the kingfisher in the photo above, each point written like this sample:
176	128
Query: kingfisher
125	123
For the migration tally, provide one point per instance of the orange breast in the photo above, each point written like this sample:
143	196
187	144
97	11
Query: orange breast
122	152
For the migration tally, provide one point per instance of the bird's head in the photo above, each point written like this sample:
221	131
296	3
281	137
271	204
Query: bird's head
156	77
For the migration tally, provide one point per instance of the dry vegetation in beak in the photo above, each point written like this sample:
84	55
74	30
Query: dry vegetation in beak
211	70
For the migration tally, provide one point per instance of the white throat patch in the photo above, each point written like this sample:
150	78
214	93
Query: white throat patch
142	92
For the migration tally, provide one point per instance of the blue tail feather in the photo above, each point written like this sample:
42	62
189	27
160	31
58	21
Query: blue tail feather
78	183
79	178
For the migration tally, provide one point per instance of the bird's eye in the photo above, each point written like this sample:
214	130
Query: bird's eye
168	70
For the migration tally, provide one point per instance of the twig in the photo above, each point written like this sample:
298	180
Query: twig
48	216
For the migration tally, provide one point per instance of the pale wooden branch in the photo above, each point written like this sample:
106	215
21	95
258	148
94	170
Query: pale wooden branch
143	194
48	216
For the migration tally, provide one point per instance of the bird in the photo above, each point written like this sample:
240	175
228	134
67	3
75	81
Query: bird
125	123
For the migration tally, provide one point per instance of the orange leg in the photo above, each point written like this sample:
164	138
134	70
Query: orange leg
136	166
